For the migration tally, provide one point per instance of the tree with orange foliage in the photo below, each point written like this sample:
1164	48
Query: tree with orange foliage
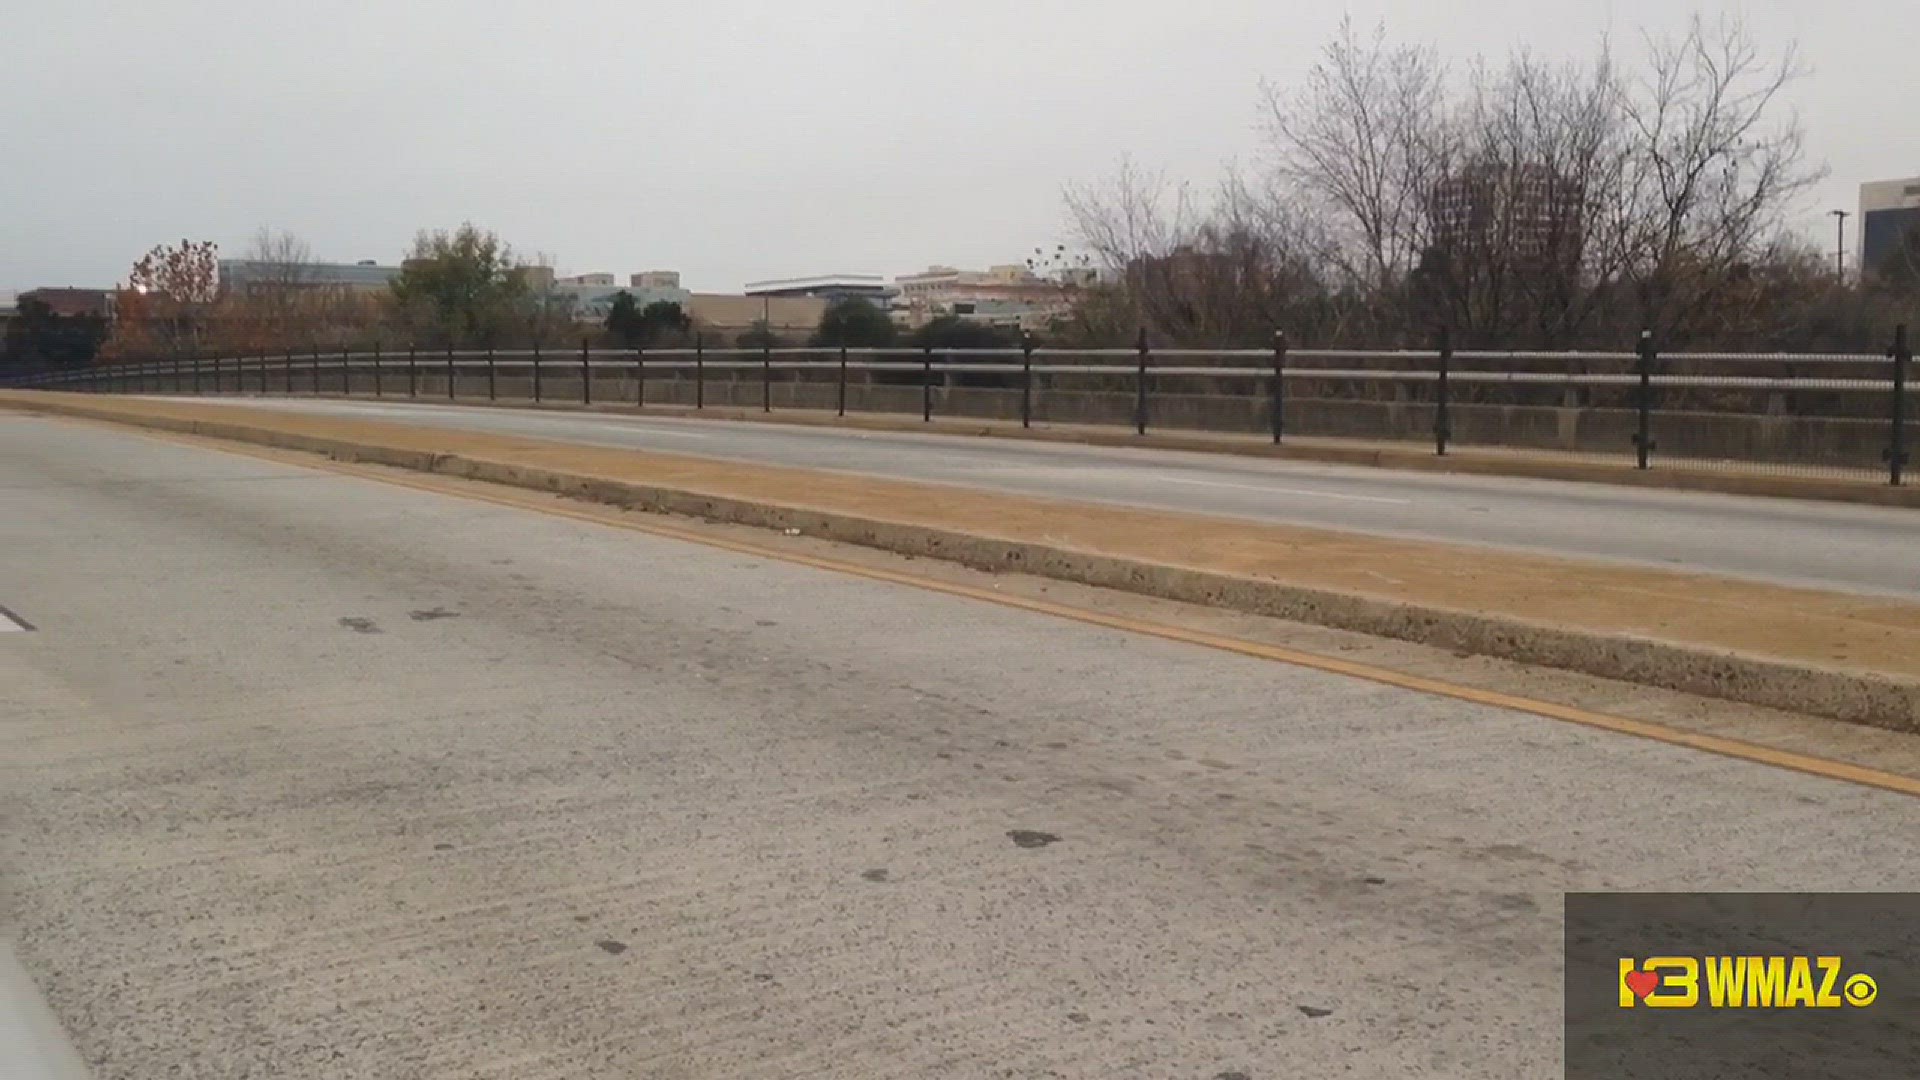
167	293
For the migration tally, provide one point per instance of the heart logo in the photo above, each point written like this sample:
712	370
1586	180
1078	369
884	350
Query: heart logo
1643	983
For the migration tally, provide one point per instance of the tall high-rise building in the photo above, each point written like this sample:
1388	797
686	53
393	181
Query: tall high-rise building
1889	214
1527	213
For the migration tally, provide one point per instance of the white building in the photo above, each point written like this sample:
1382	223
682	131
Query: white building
1007	295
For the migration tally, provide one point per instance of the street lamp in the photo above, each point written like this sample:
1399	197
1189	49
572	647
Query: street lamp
1839	243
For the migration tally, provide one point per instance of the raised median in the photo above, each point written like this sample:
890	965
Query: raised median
1843	656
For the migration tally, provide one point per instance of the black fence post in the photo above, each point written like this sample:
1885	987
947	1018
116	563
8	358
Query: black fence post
346	371
766	374
640	376
313	369
289	371
493	385
378	389
196	376
926	383
840	407
536	372
586	375
1026	379
1279	392
1140	385
449	371
219	384
413	369
179	381
1442	423
699	371
1643	403
1897	438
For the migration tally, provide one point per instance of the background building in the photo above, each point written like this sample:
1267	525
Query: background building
1526	213
250	277
588	298
731	313
66	302
1009	295
1889	213
828	287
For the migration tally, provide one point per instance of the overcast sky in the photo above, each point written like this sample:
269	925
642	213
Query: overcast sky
728	139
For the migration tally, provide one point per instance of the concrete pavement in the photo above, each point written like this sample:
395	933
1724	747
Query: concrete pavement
1817	545
307	776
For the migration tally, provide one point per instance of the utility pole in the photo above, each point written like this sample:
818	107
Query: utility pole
1839	243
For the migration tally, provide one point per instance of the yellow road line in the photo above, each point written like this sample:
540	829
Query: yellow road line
1712	744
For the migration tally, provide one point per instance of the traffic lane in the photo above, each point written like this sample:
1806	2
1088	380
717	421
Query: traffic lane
332	778
1841	547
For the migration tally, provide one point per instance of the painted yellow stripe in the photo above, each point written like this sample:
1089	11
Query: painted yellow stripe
1712	744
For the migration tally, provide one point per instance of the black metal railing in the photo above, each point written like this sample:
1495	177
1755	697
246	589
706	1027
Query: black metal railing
1843	414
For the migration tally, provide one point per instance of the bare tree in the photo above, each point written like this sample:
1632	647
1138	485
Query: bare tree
1365	138
272	303
1532	203
1711	170
281	260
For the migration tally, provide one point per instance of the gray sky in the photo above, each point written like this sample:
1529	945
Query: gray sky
728	139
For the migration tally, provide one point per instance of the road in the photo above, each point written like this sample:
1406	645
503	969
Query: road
312	776
1820	545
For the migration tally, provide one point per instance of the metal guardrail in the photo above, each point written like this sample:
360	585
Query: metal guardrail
1441	369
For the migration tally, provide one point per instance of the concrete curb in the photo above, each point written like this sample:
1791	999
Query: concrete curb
1667	477
33	1044
1865	697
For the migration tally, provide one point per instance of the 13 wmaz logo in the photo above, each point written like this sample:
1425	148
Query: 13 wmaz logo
1742	982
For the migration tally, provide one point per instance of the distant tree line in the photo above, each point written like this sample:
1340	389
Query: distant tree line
1519	204
39	339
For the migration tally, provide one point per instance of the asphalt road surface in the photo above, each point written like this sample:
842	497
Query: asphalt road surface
312	776
1821	545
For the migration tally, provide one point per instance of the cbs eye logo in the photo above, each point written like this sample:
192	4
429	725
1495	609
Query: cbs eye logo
1742	982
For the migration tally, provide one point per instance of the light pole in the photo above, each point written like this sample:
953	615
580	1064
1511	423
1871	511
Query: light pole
1839	243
